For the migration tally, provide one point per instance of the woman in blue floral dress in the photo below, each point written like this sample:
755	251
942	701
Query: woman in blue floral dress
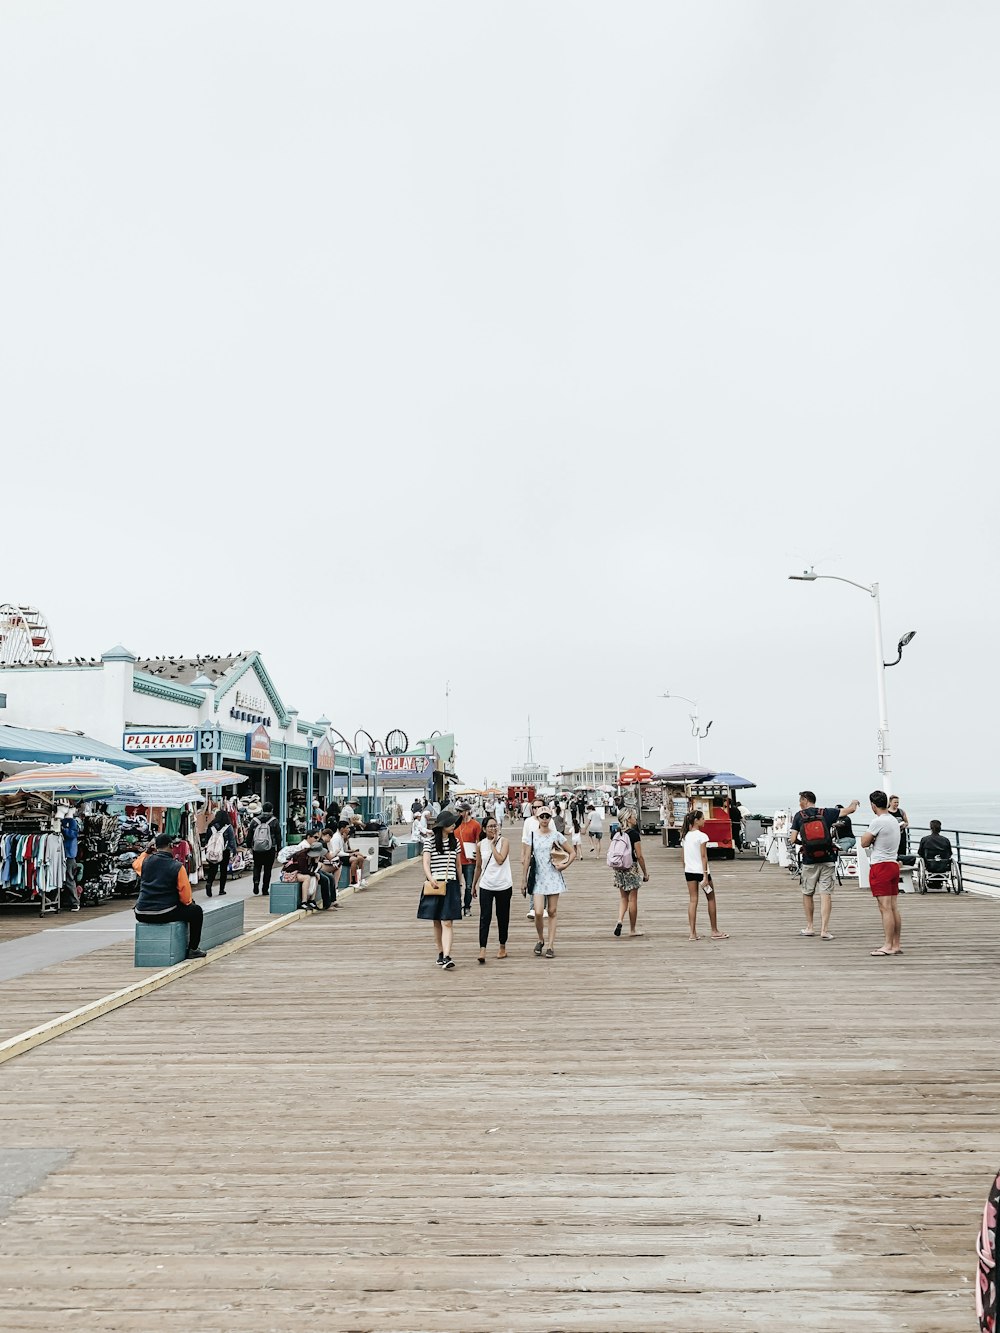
550	853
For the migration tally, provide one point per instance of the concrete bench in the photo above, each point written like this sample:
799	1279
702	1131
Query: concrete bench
165	945
283	898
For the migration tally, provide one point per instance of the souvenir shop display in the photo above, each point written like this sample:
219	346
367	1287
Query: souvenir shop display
297	815
32	856
97	868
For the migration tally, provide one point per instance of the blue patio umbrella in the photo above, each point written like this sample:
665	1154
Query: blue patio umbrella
732	780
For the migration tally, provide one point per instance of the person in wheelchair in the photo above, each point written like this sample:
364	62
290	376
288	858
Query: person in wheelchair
935	849
933	863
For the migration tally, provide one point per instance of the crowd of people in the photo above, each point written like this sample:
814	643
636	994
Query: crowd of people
316	863
468	857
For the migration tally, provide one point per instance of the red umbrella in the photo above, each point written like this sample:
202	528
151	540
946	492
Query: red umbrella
630	776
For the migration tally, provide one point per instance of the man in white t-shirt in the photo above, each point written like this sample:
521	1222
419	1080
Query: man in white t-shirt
499	810
882	837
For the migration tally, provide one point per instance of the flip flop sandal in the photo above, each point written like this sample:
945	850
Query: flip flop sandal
550	953
538	949
618	928
880	953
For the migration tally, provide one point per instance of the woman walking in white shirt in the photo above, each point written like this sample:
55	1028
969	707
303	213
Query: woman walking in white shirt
695	843
495	886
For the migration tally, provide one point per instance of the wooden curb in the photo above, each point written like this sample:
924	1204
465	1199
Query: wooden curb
56	1027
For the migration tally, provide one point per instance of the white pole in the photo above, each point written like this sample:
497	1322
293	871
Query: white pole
697	733
884	755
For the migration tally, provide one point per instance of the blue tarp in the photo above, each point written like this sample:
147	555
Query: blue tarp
25	745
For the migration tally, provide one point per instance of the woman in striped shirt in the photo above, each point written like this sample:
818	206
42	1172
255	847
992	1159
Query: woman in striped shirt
441	863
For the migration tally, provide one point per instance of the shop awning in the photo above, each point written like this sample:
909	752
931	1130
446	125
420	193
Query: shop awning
26	745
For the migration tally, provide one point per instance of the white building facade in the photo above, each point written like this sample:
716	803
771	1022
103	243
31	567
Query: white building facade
185	713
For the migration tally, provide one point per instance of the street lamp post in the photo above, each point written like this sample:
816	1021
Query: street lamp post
883	752
696	730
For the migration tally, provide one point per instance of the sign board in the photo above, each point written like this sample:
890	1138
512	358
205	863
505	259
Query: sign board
160	740
325	756
419	767
259	746
252	702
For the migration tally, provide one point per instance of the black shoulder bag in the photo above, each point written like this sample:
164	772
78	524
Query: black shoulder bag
532	870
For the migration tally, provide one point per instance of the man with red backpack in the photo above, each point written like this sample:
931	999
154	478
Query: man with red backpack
813	829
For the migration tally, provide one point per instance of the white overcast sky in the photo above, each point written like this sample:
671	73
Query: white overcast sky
525	346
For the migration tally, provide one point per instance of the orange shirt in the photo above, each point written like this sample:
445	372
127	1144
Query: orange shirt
468	832
183	883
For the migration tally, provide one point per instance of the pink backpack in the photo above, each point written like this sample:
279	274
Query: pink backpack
620	852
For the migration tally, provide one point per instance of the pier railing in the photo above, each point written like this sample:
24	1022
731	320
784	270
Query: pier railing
976	854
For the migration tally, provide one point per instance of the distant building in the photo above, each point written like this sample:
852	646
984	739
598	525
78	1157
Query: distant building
598	774
530	775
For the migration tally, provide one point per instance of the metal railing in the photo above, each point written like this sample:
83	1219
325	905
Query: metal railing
977	855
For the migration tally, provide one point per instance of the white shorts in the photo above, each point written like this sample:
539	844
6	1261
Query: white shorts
576	839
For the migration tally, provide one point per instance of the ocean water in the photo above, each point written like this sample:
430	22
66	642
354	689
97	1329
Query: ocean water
974	812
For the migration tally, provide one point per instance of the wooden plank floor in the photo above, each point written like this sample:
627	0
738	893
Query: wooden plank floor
325	1132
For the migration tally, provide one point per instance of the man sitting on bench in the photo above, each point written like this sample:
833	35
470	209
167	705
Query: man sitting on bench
165	893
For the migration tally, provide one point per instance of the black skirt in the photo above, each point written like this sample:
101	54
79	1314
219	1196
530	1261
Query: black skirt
443	907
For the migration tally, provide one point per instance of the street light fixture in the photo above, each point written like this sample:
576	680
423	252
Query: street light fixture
696	730
643	752
884	752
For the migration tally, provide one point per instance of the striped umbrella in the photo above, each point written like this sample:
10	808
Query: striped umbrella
156	785
213	779
70	781
629	776
149	785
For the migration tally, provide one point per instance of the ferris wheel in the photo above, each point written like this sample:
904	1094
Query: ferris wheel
24	635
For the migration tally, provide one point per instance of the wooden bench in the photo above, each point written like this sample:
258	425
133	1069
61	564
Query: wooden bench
166	945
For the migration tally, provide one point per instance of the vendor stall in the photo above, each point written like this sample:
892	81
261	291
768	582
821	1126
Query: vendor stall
69	833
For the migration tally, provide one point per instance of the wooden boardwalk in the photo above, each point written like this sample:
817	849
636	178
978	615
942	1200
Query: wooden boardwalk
325	1132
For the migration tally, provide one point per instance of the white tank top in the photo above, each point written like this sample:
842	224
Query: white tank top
494	877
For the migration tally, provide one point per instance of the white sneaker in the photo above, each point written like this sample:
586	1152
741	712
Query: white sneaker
531	915
545	915
364	883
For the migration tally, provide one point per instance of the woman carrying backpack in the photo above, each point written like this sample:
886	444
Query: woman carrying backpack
219	847
695	844
628	877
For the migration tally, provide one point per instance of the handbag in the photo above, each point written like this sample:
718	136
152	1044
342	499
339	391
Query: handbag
560	858
434	888
532	869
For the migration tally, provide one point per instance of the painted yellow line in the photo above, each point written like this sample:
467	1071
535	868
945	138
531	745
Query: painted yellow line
56	1027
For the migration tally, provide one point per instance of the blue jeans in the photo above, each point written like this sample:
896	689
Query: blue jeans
468	874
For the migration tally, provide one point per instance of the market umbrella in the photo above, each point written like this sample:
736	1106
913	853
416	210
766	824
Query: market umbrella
149	785
685	773
213	779
732	780
70	781
629	776
156	785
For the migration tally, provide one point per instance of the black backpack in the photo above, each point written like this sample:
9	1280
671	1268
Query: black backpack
815	836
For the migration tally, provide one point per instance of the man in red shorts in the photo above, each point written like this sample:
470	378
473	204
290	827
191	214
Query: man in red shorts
882	838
